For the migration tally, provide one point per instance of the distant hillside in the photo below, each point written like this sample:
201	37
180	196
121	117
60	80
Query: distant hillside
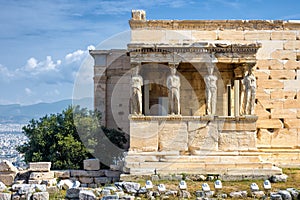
18	114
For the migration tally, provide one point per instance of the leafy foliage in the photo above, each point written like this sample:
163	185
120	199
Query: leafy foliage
67	138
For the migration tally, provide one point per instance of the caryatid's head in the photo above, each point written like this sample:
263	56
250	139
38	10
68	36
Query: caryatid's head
210	69
173	70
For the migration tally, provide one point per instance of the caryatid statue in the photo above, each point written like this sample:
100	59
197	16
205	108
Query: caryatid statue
211	91
136	94
249	87
173	84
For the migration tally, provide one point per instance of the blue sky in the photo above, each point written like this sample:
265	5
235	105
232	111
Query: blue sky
44	43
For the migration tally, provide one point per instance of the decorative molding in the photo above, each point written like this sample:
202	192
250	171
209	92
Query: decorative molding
248	118
209	48
209	25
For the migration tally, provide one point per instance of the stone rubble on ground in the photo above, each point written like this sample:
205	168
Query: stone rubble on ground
285	194
278	178
8	172
2	187
74	182
238	194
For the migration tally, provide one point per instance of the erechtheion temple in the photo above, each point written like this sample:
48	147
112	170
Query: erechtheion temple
204	96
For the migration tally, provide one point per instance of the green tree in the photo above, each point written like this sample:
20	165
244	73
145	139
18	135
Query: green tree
67	138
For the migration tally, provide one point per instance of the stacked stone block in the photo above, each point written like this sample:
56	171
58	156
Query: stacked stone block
8	173
40	173
277	71
92	176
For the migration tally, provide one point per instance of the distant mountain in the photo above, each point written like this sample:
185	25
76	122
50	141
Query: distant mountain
19	114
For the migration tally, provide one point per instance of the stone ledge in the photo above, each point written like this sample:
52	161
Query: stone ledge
214	25
252	118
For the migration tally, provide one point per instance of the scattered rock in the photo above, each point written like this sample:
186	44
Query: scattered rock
86	195
278	178
25	189
5	196
129	197
2	187
156	194
199	193
67	184
294	193
15	196
161	188
239	194
6	166
171	193
111	188
7	179
73	193
258	194
285	194
110	197
209	194
40	196
185	194
275	196
142	190
105	192
131	187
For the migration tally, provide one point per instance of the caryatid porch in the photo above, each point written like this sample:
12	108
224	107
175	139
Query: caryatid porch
222	142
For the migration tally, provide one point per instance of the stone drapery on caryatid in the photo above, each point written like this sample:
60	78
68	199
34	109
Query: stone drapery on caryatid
173	84
211	91
248	91
136	94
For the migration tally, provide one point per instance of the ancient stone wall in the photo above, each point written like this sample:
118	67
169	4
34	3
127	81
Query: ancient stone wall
112	87
277	69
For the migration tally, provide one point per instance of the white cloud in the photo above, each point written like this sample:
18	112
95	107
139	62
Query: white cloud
5	74
75	56
31	64
91	47
48	71
36	67
28	91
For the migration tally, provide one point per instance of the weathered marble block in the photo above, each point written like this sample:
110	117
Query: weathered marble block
7	178
144	135
41	175
91	164
6	166
202	136
237	141
40	166
173	135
